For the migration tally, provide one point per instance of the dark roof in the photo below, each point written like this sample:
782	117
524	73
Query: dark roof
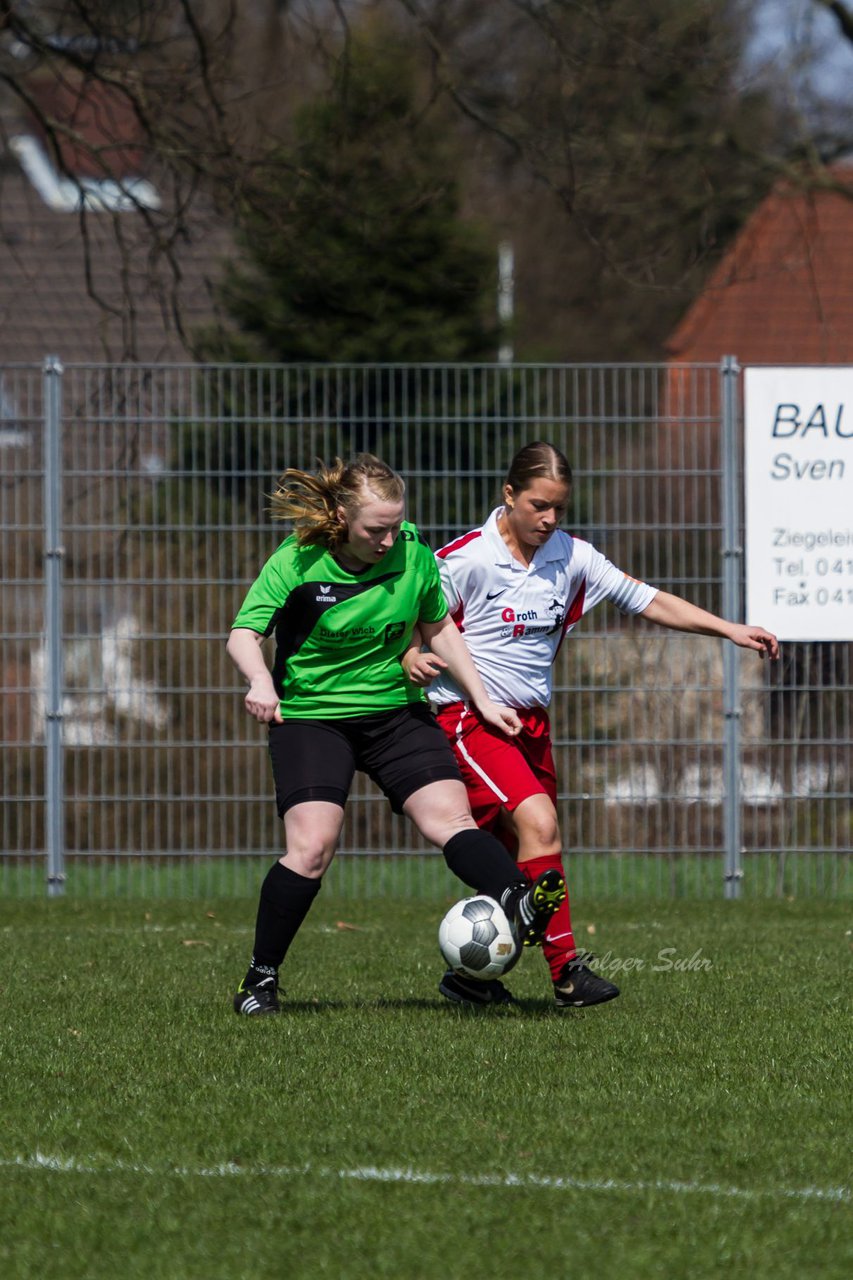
783	293
99	284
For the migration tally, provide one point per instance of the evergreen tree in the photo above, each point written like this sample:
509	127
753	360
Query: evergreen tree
354	249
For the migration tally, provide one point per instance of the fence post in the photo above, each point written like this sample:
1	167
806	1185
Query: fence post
732	609
53	555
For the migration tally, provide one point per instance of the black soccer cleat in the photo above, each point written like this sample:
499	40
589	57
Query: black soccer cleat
530	906
578	987
462	990
257	999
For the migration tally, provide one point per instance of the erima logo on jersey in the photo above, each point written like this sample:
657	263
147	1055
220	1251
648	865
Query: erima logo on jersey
324	597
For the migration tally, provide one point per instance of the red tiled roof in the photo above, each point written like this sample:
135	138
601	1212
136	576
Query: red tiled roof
783	294
99	136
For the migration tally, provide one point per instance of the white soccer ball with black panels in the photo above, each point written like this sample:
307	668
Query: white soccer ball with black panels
476	938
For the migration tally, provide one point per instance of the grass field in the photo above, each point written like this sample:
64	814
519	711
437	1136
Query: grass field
699	1126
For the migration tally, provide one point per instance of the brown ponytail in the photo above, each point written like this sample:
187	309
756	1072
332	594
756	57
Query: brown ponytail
535	461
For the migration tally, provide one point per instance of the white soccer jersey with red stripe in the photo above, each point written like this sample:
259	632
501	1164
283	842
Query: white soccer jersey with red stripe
514	617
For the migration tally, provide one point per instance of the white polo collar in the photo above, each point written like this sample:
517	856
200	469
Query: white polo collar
504	557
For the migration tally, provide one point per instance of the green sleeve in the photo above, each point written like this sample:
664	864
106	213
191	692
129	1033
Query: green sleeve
433	604
265	598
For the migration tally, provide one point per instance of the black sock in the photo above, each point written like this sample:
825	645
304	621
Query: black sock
285	901
479	858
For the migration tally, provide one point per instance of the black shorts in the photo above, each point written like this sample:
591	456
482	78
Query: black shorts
401	751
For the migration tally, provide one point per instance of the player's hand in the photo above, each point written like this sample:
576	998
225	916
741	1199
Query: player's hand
503	718
764	642
263	702
422	668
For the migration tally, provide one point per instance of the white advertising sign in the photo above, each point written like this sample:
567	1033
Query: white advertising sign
798	472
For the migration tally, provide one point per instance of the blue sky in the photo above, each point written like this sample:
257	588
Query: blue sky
786	33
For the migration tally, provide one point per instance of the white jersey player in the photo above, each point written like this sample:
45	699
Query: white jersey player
514	617
515	588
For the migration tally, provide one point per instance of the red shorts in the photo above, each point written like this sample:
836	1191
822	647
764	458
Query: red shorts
499	772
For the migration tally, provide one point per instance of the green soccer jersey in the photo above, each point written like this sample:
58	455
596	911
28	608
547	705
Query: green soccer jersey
340	635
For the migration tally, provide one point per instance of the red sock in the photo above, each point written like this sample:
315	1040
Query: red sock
559	944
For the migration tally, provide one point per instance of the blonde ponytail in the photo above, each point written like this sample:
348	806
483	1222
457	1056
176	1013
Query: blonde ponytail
311	501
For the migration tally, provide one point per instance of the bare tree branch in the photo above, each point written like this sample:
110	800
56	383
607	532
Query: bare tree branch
623	128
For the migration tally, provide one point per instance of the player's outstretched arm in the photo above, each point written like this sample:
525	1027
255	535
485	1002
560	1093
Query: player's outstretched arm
444	639
680	615
244	650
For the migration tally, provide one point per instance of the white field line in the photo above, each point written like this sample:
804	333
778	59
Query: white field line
369	1173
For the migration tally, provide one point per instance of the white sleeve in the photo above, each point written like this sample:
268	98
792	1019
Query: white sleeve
606	582
451	595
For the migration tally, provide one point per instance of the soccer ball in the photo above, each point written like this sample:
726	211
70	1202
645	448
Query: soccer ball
477	940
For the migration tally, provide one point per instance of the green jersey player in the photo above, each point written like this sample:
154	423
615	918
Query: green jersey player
342	596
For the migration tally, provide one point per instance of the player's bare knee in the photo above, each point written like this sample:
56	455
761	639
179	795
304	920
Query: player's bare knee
310	862
537	827
548	839
539	835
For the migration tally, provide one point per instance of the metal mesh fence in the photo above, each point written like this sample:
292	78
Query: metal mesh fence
125	715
